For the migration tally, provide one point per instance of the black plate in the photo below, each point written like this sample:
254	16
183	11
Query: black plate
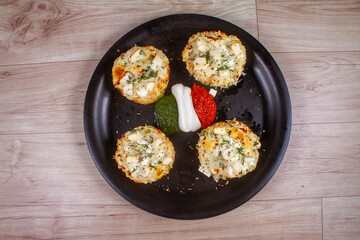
261	100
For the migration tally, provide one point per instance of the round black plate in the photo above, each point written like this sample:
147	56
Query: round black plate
260	100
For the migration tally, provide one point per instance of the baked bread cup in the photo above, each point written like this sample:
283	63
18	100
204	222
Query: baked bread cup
214	58
228	150
141	74
145	154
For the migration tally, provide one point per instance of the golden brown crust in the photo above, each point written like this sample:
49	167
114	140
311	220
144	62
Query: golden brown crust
141	74
145	154
228	150
215	58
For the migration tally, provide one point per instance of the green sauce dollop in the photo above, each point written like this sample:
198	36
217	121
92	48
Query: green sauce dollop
167	115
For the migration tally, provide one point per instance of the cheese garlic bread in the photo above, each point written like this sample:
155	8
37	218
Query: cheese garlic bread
145	154
141	74
228	150
215	58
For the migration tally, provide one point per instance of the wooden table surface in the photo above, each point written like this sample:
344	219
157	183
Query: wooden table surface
50	187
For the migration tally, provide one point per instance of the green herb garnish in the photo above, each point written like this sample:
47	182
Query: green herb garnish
226	141
148	73
241	150
207	57
224	67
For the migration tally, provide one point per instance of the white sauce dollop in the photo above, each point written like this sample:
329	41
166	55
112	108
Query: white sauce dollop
188	119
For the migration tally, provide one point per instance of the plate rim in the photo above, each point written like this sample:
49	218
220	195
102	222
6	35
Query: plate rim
264	181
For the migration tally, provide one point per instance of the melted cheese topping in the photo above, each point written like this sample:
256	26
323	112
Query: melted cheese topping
145	154
228	150
141	74
215	58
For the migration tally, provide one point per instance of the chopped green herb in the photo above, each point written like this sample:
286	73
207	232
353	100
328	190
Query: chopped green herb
226	141
207	57
148	73
256	143
220	68
241	150
225	67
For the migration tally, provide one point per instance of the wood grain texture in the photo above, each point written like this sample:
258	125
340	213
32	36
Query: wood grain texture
63	83
325	92
305	26
313	168
341	218
50	169
323	86
48	102
34	160
53	31
301	217
49	185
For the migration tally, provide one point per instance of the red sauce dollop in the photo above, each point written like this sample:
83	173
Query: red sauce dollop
204	105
